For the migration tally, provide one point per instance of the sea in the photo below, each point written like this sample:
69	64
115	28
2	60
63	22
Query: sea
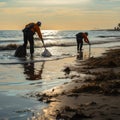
18	76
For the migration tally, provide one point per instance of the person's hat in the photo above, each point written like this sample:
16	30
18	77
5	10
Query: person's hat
39	23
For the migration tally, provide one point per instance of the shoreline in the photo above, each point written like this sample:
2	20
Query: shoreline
62	77
90	94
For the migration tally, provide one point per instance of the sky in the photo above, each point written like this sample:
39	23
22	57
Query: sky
60	14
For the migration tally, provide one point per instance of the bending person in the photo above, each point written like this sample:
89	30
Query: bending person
79	38
28	33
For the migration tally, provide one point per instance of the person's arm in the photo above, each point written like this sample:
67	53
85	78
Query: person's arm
40	35
86	38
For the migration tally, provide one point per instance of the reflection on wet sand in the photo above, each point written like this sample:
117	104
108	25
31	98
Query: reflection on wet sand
80	55
31	72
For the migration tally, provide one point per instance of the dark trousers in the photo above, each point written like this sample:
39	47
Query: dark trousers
28	36
79	45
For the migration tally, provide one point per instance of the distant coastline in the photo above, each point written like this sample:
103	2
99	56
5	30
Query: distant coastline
105	30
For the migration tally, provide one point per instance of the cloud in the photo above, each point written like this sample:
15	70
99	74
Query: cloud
16	11
2	4
59	12
53	2
114	0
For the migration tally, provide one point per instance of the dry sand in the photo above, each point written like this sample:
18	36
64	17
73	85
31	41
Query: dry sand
93	93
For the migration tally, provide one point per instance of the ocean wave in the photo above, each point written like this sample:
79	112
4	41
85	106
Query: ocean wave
111	36
60	44
55	38
14	46
9	41
52	44
9	47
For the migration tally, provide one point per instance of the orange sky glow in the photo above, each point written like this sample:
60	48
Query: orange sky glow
60	15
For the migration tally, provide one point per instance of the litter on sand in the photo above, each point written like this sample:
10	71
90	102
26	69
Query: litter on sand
46	53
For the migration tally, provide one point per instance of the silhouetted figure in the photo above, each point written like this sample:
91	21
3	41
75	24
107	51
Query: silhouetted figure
79	38
28	33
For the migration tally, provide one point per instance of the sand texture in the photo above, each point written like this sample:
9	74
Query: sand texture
93	93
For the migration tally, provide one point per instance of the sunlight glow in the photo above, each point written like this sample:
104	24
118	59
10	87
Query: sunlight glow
60	14
55	2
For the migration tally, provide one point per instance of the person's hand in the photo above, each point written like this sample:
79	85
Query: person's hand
43	44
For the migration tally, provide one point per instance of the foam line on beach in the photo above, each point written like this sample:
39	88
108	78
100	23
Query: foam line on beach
33	61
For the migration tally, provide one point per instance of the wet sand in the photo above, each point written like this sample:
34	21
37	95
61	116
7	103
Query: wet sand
92	94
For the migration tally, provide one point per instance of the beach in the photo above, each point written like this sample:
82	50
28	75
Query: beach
50	85
93	92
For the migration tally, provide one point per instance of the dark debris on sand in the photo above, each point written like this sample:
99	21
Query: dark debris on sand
107	79
103	81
